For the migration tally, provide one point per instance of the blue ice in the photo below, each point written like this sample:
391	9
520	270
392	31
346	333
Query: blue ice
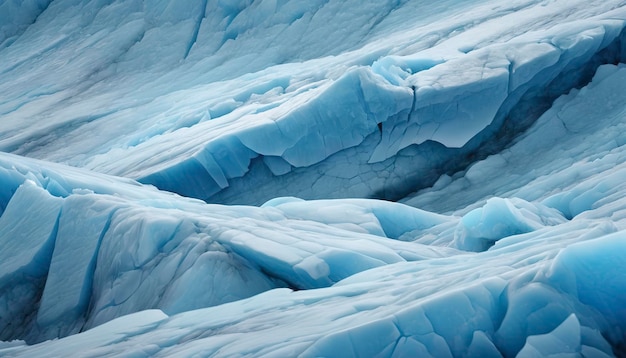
204	178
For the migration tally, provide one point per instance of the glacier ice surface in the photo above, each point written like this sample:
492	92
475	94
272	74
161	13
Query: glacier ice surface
498	125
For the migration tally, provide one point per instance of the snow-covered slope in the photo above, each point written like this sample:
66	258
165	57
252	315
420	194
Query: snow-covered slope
514	110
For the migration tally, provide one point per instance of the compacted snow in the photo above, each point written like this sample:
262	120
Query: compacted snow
203	178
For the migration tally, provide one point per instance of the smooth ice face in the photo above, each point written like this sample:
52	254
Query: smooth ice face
27	233
583	270
499	218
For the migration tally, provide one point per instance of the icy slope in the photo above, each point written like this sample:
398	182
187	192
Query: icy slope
534	278
514	110
244	101
105	247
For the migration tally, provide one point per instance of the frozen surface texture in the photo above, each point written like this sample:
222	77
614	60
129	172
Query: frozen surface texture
499	127
243	101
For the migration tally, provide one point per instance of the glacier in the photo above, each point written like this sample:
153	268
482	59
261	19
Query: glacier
329	178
